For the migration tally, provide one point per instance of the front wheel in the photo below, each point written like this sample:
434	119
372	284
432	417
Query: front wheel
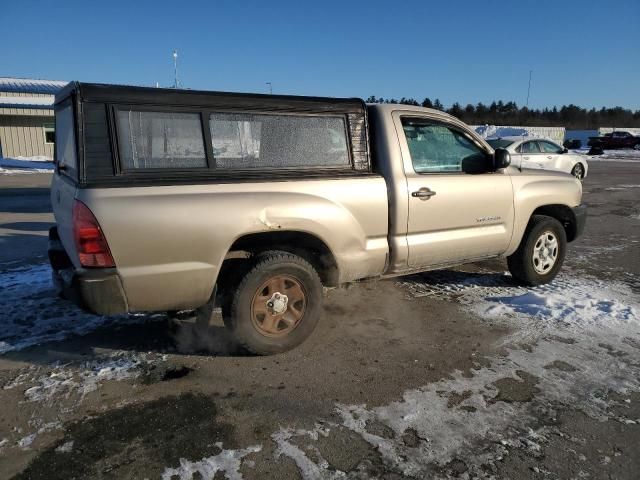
541	252
276	305
578	171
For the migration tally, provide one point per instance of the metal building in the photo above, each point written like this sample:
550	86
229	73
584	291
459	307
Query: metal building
26	117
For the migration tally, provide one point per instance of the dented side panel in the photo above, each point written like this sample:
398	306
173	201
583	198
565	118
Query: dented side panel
168	242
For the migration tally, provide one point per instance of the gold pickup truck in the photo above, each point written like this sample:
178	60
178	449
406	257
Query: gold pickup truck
176	199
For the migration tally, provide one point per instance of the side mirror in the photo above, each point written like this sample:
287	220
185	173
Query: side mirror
501	158
565	150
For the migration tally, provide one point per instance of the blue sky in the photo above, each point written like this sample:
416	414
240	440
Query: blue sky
582	52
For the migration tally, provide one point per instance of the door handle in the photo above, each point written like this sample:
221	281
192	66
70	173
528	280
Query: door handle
526	158
549	157
423	194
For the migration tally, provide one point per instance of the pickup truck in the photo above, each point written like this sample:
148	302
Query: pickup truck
169	200
613	140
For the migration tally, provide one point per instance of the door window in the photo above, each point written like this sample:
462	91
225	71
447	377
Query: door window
530	147
438	148
548	147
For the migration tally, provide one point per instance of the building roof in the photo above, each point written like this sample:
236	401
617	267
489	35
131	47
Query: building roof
29	85
26	102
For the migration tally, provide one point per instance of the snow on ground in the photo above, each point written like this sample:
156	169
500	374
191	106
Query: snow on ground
620	156
227	463
22	165
56	384
574	343
33	314
63	381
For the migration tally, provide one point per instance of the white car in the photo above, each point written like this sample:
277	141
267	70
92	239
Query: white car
532	152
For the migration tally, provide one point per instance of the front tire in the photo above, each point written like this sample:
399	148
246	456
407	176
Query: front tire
276	305
578	171
541	253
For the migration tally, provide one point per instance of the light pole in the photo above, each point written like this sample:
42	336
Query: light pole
270	88
175	69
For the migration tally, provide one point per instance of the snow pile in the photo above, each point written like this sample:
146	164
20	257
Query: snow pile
19	165
489	131
227	462
33	314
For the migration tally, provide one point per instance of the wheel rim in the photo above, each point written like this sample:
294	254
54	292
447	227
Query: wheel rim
578	171
545	252
278	305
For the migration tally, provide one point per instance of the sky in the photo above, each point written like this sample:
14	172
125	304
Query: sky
581	52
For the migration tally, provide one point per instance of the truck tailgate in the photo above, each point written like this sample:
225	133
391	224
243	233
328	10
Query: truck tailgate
63	194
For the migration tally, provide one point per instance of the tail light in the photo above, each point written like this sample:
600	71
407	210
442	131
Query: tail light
90	242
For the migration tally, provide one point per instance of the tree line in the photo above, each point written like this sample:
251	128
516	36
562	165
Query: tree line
569	116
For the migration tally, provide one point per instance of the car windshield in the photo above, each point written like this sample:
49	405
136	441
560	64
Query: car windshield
499	143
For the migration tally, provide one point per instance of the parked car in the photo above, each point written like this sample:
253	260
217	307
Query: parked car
617	139
171	200
531	152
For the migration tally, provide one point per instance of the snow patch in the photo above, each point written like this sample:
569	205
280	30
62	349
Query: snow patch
26	442
64	381
65	447
227	462
574	342
33	314
569	301
309	469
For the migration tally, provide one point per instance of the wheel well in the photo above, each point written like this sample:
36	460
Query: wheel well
305	245
563	214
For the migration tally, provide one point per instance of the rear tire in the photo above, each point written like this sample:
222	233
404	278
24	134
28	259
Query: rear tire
277	304
541	253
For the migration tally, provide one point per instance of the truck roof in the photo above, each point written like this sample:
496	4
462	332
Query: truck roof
98	92
395	107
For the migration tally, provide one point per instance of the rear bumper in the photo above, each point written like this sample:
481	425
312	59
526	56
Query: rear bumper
97	290
580	213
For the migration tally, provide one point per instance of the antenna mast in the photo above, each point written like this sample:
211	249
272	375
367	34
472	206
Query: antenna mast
529	88
175	69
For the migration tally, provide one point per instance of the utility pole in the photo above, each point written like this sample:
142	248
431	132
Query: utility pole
270	88
529	88
175	69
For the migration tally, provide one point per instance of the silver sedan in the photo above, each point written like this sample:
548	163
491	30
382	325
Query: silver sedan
533	152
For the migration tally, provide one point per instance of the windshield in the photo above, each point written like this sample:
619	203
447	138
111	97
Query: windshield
499	143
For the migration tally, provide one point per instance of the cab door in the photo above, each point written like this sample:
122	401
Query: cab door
459	207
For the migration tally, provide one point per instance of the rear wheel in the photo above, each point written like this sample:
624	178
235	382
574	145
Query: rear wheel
578	171
276	305
541	253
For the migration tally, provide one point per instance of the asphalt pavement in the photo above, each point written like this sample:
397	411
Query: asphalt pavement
454	374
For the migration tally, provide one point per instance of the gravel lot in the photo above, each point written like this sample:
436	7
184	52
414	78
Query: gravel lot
453	374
